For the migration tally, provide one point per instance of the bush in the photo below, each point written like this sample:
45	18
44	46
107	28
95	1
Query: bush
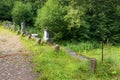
51	16
22	12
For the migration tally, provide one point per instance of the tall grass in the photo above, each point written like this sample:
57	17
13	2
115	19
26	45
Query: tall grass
109	69
82	46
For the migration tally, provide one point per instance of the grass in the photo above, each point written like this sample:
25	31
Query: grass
52	65
4	32
61	66
82	46
109	69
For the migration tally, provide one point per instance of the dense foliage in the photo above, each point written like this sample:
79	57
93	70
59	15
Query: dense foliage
22	12
69	19
51	16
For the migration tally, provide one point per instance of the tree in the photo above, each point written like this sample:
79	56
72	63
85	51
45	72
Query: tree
103	21
5	9
77	27
22	12
51	16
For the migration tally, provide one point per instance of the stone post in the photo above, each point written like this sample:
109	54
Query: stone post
93	64
6	25
38	40
57	48
29	36
46	36
9	25
22	27
15	28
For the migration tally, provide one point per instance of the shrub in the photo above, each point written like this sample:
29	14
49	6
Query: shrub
51	16
22	12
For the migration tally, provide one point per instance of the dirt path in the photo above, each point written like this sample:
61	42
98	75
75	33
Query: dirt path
14	65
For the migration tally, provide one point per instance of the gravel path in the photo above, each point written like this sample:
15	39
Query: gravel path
14	64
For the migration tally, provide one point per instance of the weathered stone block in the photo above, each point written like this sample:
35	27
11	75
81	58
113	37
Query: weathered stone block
29	36
46	36
93	64
57	48
23	27
38	40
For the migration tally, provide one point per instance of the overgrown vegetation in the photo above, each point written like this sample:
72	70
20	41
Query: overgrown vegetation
51	65
62	66
22	12
81	46
80	20
84	22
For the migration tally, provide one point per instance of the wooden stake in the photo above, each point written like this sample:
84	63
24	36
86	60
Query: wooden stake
102	56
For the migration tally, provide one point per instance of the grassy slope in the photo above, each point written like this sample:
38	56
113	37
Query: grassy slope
110	69
62	66
51	65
